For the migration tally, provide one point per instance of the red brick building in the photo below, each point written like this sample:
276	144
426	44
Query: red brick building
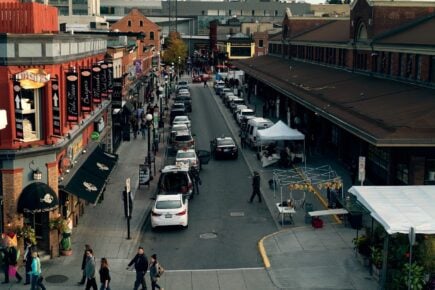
359	86
56	90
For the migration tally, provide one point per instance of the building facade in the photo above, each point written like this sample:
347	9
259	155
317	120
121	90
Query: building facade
358	86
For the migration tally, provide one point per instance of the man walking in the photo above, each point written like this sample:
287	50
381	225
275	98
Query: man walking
255	187
90	271
140	262
11	261
196	179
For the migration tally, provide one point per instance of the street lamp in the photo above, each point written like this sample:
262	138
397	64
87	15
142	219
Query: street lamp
161	100
179	61
149	119
166	89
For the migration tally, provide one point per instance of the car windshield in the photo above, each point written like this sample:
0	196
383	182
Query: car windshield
187	154
225	142
181	119
248	113
173	181
182	83
178	105
168	204
183	138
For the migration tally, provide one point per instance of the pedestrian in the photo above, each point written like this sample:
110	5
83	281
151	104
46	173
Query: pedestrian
28	260
83	280
104	275
243	138
140	262
128	204
90	271
255	187
35	273
154	273
196	179
134	126
205	83
11	265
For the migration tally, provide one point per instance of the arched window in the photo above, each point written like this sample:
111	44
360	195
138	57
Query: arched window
362	32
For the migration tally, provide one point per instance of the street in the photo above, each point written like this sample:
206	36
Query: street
223	227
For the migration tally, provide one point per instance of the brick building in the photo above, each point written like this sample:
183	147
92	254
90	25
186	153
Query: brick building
358	86
56	91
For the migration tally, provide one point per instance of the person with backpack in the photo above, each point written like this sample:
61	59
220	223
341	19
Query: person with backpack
35	273
140	262
156	271
11	263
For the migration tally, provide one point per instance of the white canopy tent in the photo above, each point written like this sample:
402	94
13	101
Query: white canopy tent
398	208
281	132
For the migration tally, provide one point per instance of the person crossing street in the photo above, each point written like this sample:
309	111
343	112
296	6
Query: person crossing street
255	187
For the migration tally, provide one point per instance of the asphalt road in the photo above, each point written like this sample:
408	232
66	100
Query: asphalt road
223	227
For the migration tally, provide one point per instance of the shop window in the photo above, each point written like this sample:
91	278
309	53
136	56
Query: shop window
430	171
151	35
129	23
229	12
402	173
253	12
260	43
31	104
141	23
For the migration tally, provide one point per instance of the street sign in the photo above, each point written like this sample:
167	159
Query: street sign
361	169
127	185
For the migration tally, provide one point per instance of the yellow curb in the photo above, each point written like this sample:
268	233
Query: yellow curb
262	250
320	198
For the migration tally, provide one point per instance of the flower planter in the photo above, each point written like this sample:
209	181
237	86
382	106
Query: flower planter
66	252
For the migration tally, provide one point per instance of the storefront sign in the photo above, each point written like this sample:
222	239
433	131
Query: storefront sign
103	80
18	111
110	77
72	98
96	84
86	90
117	94
55	104
34	78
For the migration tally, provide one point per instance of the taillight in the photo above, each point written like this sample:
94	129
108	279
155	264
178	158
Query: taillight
190	185
155	214
182	212
183	189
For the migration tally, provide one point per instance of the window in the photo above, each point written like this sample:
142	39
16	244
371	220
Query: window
31	105
260	43
202	12
418	67
430	171
129	23
402	173
248	30
253	12
276	12
151	35
362	32
141	23
229	12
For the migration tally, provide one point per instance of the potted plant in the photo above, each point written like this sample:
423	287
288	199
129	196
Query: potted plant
27	232
362	248
416	274
64	226
376	259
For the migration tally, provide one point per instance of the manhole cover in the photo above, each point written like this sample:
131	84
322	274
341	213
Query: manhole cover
56	279
237	213
208	236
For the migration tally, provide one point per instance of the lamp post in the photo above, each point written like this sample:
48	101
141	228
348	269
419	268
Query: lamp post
149	119
179	62
161	101
166	89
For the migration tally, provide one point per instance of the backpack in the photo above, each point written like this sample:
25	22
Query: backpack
160	270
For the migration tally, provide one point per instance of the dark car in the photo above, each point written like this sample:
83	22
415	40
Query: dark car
175	180
176	112
224	147
186	100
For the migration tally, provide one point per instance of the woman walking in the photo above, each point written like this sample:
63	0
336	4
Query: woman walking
104	275
154	273
35	274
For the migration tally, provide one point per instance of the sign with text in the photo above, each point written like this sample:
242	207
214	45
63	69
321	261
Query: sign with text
18	111
72	97
55	103
96	84
109	77
117	94
103	80
86	90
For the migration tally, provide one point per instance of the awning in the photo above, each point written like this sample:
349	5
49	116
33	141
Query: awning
89	181
37	197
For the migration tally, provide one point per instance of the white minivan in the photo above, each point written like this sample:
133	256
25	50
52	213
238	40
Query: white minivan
254	125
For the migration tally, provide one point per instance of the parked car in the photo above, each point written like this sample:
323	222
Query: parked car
228	98
254	125
187	157
170	210
183	89
175	180
196	79
224	91
244	113
235	102
182	120
238	109
218	86
224	147
176	112
182	84
174	129
178	105
183	140
186	100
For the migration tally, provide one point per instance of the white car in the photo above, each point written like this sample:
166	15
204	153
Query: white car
170	210
181	120
187	158
244	113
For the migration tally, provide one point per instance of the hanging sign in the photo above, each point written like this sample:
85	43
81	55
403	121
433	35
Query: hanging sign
86	90
72	98
103	80
96	84
109	77
18	111
55	100
117	94
34	78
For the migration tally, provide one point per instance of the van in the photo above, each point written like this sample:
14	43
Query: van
254	125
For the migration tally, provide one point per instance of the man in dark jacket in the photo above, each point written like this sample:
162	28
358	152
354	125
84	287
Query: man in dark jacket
140	262
11	260
255	187
87	248
28	260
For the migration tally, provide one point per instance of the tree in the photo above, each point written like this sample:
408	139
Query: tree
175	49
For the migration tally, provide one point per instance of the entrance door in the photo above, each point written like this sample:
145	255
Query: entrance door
39	222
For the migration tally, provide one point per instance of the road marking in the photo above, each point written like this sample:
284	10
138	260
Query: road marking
237	213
